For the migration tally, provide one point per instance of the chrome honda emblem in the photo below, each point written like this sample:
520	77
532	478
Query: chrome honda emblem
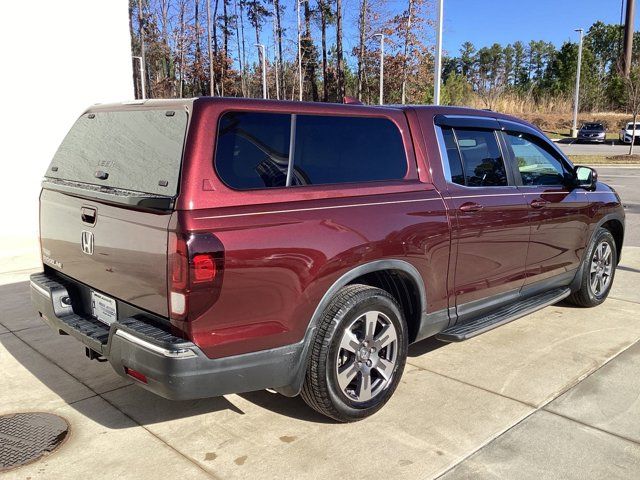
86	242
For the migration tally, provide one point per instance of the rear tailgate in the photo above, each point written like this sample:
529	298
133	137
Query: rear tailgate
107	201
129	257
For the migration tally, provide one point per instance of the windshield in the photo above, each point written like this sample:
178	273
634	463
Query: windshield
592	126
137	150
630	126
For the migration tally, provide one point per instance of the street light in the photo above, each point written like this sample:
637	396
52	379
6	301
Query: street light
438	62
142	82
381	35
264	70
299	48
576	99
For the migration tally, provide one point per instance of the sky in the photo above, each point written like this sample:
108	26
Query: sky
484	22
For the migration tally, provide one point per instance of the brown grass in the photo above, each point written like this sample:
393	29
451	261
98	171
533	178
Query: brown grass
551	114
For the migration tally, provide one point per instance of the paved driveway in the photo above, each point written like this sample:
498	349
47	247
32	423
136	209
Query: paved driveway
554	394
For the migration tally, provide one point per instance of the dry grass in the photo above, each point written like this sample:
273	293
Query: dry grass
604	160
551	114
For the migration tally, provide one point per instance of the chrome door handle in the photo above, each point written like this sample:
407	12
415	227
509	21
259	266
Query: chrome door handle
470	207
539	203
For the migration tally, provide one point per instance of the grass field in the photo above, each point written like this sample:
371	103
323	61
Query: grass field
605	160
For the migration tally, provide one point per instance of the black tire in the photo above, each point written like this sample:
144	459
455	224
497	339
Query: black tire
349	310
586	295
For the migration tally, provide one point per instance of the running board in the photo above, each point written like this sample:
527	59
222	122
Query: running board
509	313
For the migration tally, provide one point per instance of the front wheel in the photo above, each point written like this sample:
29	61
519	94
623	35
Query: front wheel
598	271
358	354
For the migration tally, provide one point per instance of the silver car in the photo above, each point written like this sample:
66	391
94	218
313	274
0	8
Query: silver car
592	132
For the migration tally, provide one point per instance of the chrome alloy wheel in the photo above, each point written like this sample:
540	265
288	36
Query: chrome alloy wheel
601	269
367	356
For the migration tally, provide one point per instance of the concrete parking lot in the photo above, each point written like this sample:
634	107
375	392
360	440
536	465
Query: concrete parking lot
553	395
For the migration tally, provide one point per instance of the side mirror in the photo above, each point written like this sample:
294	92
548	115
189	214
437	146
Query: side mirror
586	177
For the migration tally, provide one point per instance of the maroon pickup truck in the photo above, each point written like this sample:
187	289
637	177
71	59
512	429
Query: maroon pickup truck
212	246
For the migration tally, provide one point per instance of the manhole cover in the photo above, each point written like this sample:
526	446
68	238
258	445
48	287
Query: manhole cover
25	437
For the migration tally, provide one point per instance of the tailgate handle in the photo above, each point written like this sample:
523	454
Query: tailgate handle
88	215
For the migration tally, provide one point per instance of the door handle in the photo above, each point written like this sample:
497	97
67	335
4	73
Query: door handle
470	207
539	203
88	215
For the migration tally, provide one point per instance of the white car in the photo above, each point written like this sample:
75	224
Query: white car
627	132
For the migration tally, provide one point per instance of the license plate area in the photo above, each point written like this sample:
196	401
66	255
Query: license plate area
103	308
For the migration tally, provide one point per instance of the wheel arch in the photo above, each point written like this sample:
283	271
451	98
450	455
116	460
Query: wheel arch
394	274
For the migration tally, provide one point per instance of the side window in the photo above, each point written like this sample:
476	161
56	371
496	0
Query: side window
537	165
332	149
253	150
453	156
482	160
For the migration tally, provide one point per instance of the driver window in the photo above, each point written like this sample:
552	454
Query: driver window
537	166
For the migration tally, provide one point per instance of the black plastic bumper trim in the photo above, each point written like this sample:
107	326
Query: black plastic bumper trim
175	368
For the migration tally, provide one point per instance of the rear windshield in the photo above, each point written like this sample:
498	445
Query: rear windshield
137	150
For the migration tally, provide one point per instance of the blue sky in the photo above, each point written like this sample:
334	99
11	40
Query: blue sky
484	22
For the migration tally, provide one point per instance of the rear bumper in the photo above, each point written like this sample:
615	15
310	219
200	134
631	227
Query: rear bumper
175	368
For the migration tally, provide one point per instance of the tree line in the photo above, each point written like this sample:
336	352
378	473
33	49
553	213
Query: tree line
539	74
208	47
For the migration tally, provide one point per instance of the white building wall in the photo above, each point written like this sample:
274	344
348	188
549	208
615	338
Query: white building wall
58	57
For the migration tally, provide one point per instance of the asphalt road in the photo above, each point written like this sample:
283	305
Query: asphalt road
626	181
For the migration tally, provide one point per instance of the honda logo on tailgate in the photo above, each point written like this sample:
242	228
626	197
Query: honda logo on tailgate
86	242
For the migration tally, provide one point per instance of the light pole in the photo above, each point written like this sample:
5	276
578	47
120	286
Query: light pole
299	48
576	99
142	85
438	63
264	70
381	35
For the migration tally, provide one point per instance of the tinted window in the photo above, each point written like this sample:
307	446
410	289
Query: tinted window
347	149
253	150
453	157
138	150
537	165
481	158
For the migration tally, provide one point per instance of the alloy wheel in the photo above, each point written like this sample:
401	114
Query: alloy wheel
367	356
601	269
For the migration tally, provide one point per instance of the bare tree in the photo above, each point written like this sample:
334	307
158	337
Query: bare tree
143	55
325	14
405	55
340	66
362	26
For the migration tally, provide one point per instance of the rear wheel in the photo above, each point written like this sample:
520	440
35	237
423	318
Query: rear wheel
598	271
358	354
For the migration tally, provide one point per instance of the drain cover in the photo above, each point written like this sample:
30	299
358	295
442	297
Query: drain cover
25	437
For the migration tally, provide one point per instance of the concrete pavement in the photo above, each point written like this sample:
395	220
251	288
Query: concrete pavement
553	395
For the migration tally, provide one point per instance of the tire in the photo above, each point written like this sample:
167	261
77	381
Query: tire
600	262
352	372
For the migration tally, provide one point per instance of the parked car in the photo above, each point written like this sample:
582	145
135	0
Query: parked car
592	132
626	134
212	246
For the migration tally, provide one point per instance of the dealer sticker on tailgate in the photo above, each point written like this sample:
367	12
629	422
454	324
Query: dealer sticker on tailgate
103	308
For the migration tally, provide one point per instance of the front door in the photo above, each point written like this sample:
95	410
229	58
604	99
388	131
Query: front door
491	226
558	212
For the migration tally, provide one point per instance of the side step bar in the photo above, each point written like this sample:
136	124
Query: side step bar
509	313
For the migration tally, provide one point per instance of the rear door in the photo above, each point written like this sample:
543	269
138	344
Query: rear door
107	200
491	230
558	212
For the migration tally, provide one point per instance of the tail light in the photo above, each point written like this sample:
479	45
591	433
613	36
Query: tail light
196	263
